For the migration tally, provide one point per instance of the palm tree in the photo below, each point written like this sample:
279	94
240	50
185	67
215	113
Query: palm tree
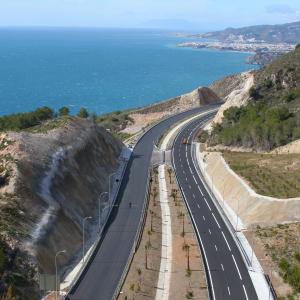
154	194
147	247
174	194
186	248
170	174
181	215
152	214
155	175
149	235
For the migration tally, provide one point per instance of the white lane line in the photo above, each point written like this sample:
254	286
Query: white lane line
207	203
194	196
236	266
226	241
222	267
183	171
190	187
216	248
216	220
245	292
228	289
186	179
198	206
203	218
200	190
209	231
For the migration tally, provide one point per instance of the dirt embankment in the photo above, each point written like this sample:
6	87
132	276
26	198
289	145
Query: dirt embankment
142	117
252	208
55	179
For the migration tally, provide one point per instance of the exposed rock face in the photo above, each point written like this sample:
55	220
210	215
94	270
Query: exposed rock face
235	91
58	179
149	114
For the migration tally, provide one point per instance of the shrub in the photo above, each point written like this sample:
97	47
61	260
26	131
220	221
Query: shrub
83	113
63	111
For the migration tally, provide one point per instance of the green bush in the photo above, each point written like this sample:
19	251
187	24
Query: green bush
63	111
83	113
26	120
257	126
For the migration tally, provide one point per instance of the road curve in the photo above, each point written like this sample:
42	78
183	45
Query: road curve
101	276
229	276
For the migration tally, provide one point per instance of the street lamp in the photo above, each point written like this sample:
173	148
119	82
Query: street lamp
83	241
237	213
56	283
103	193
109	184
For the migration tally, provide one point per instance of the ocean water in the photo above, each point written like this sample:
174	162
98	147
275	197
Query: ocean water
102	69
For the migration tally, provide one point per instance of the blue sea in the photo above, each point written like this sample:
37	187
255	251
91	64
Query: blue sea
102	69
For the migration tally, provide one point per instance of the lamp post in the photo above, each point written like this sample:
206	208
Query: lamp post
237	214
56	272
109	183
103	193
83	241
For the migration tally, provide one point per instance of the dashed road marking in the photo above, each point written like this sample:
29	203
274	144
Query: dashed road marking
194	196
228	289
207	203
203	218
226	241
209	231
222	267
237	267
245	292
216	220
216	247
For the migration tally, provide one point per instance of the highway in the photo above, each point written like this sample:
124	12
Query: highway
226	268
101	276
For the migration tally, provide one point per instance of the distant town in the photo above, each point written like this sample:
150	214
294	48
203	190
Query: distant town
264	52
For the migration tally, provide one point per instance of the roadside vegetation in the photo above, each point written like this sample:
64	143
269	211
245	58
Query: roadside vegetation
274	175
44	119
281	244
272	118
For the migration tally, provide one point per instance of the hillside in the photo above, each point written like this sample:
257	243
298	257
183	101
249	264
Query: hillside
283	33
272	116
51	177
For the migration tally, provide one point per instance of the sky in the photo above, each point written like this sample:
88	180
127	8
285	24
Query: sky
171	14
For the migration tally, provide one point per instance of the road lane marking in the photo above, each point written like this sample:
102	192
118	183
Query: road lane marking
226	241
198	206
236	266
216	221
203	218
186	179
209	231
216	248
222	267
245	292
194	196
228	289
207	203
200	190
190	187
183	172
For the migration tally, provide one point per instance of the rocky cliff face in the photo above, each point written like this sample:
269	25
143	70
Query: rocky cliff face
55	180
234	90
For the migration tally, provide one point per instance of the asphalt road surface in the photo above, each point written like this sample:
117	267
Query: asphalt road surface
101	277
225	266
